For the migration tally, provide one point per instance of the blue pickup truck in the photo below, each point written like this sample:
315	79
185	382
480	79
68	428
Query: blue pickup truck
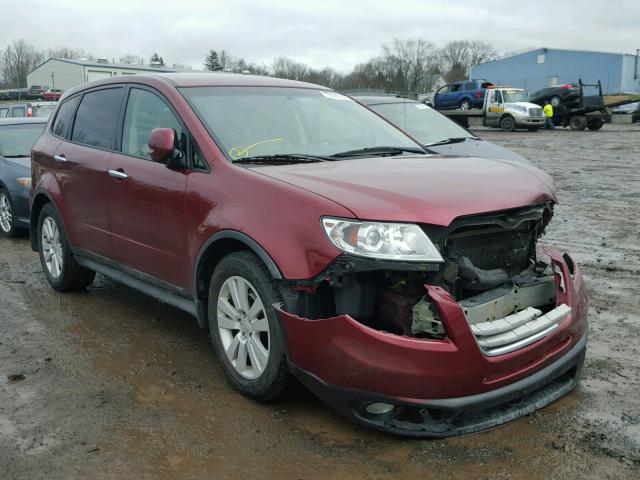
464	95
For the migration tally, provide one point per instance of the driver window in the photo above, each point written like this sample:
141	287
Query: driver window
498	96
146	111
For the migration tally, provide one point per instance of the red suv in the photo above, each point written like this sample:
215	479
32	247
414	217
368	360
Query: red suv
317	241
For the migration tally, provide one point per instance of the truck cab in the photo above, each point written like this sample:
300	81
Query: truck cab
509	108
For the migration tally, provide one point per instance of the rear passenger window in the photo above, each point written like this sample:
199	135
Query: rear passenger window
97	118
18	112
64	117
146	111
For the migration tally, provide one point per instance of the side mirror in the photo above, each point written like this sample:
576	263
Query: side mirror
163	143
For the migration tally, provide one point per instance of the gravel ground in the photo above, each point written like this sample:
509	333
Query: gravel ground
111	384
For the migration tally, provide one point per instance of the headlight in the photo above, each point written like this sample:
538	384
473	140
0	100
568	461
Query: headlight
385	241
519	108
25	182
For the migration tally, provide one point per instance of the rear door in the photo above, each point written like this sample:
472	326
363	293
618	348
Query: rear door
146	199
82	164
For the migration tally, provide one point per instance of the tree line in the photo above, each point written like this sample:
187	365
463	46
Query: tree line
408	66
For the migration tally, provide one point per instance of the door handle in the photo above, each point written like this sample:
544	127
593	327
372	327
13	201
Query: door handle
119	174
60	158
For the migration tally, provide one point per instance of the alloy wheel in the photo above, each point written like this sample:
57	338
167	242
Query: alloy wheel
52	247
244	327
6	216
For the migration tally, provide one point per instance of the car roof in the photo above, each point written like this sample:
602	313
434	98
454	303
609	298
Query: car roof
380	100
199	79
22	120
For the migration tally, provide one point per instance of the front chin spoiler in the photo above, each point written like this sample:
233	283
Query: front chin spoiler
439	418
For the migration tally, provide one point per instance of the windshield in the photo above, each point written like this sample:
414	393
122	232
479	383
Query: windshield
420	121
512	96
17	140
254	121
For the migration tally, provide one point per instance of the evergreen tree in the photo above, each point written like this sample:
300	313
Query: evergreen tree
212	62
155	58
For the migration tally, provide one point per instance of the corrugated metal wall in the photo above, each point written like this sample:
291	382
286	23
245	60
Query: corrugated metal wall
543	67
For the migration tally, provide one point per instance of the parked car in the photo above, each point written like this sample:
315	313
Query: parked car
404	289
36	92
464	95
567	94
31	109
433	130
17	136
53	94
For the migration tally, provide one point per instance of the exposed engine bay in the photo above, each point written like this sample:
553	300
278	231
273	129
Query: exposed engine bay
490	268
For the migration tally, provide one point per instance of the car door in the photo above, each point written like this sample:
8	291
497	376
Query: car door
147	199
82	163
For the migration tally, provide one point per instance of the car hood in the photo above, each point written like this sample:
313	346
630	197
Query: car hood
22	165
476	147
521	104
433	189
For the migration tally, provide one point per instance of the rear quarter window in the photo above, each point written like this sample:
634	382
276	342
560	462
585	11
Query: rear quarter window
97	116
64	117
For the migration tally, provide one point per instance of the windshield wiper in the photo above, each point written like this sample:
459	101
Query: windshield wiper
284	158
378	151
447	141
15	156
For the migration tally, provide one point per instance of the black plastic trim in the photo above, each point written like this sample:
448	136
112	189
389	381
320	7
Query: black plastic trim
241	237
461	415
162	294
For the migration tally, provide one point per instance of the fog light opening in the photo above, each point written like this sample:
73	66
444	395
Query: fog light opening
379	408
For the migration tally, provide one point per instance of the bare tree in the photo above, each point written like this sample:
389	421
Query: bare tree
18	60
68	53
132	59
481	52
410	61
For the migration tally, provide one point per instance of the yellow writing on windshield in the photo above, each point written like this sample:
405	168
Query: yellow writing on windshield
241	152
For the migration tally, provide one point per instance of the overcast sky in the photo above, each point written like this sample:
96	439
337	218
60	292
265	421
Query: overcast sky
339	34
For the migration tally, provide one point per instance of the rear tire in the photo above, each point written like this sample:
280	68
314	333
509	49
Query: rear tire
58	263
579	122
245	327
7	219
555	101
465	104
507	123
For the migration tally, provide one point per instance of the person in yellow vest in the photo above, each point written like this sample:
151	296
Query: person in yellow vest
548	115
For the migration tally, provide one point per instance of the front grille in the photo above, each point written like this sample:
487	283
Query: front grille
535	112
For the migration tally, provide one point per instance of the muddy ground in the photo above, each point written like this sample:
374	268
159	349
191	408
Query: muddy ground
117	385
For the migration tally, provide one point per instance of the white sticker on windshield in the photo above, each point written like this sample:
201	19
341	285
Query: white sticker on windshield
335	96
421	106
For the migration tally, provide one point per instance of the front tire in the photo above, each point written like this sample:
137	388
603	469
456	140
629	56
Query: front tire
58	263
555	101
508	123
245	327
7	220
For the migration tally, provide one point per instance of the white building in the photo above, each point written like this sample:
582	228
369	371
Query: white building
65	74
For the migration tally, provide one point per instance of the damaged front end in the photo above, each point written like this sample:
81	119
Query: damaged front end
439	349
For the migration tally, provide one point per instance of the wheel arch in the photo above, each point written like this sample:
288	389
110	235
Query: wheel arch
217	247
39	200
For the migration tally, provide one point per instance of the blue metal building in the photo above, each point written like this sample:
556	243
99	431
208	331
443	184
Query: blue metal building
547	67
